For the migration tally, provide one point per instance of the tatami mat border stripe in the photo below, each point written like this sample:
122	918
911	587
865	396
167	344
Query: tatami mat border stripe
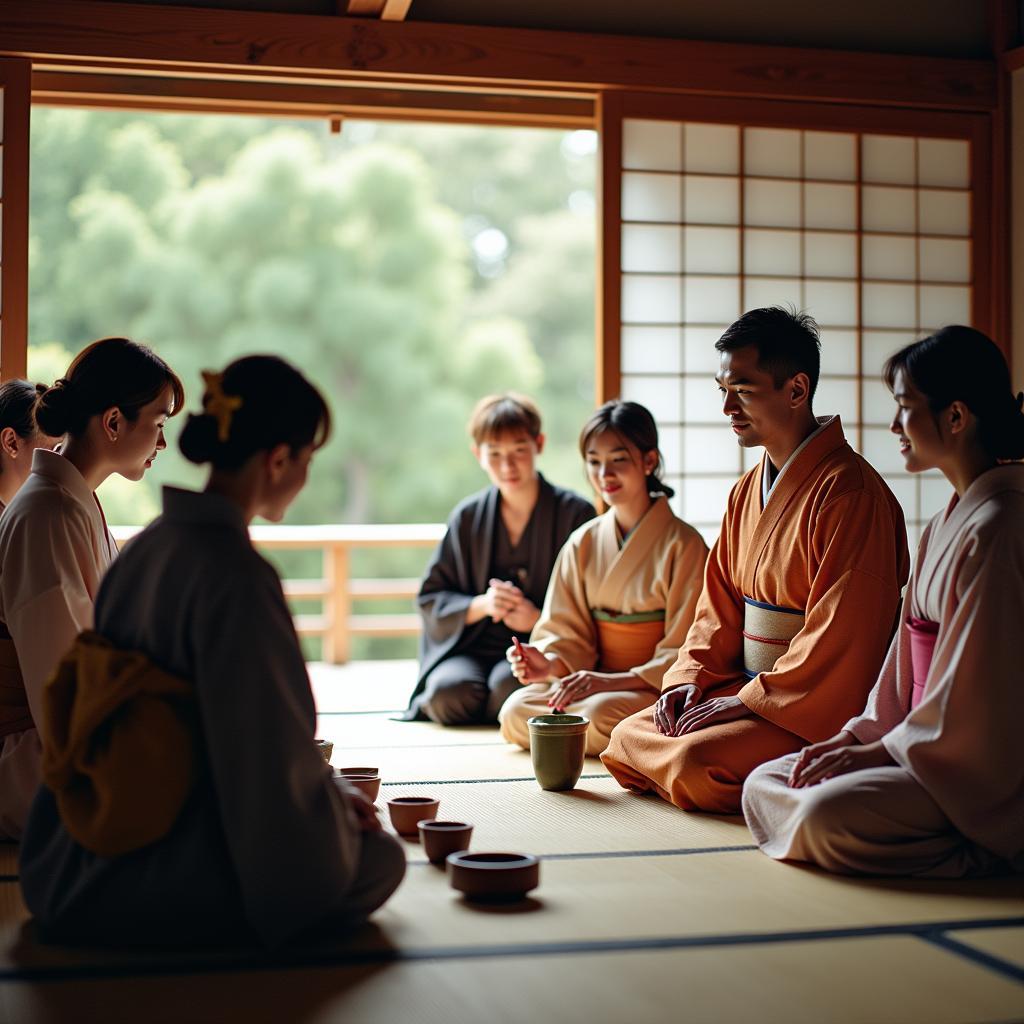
354	958
473	782
979	956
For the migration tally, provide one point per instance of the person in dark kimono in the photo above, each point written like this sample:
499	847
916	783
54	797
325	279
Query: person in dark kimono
487	579
184	798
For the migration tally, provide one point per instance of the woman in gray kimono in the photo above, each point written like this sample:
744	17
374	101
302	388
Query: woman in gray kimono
228	825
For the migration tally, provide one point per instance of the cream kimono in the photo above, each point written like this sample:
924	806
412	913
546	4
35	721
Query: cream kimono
54	549
953	802
614	607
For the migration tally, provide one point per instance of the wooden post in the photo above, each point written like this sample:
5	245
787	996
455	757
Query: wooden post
337	605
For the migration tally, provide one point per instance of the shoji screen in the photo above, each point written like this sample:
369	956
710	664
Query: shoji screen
870	232
14	142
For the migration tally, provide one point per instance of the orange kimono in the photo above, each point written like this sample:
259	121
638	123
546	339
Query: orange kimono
799	603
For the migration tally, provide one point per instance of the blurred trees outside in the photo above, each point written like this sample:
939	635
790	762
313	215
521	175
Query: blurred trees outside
406	268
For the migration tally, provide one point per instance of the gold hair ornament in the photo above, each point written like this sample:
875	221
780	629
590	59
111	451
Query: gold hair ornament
219	405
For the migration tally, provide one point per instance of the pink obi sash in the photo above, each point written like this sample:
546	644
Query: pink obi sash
923	635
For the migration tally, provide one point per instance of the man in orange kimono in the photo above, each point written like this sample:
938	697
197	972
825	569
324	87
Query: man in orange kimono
800	591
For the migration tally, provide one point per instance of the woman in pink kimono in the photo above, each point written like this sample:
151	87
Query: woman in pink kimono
929	780
110	407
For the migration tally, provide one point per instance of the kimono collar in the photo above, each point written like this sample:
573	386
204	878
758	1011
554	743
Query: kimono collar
826	439
198	508
767	480
1008	477
57	469
620	564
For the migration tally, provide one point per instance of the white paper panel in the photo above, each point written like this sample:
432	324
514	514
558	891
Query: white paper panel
829	254
836	398
711	200
888	209
656	197
904	487
889	257
652	350
838	351
831	303
944	213
712	300
944	304
887	158
648	300
882	450
670	441
701	356
945	259
944	162
704	498
709	250
661	395
772	203
877	346
888	305
702	400
708	532
771	152
935	495
652	248
878	406
772	252
710	449
772	291
830	155
712	148
652	145
830	206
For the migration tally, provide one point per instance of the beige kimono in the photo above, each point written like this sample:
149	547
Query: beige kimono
54	549
614	607
953	802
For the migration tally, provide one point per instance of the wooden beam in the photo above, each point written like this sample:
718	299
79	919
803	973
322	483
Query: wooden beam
395	10
274	99
52	31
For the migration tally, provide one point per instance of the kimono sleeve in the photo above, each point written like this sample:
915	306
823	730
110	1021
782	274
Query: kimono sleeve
825	675
47	608
566	627
292	839
442	601
685	574
712	653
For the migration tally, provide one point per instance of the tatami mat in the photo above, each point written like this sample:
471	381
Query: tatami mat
596	817
1005	943
354	732
892	979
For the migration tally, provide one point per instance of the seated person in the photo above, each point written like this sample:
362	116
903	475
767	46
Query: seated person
800	592
622	595
110	408
185	799
929	778
488	575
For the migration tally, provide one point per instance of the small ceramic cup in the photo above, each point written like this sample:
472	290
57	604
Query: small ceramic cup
558	745
408	811
368	784
326	747
439	838
493	877
359	771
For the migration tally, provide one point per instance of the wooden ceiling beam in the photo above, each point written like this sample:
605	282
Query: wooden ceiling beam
49	31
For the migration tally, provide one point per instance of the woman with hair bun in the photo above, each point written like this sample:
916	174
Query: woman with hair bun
194	806
929	779
20	436
54	543
622	594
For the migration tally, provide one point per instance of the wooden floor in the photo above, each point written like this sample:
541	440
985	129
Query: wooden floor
643	914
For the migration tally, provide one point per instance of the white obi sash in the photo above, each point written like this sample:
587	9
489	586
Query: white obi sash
767	631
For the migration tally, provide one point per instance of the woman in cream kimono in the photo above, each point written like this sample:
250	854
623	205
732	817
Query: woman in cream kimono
54	541
185	798
622	593
929	779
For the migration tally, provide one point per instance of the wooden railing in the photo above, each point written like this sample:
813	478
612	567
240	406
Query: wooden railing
336	590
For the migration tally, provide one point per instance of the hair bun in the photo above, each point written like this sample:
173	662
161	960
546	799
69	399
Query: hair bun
198	441
57	412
